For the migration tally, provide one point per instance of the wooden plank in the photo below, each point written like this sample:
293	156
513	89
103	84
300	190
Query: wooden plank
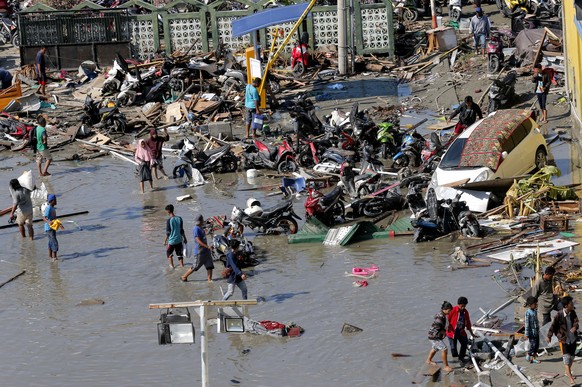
539	50
441	125
426	370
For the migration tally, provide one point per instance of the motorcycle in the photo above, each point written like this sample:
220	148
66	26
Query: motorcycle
455	10
409	154
261	155
109	118
442	217
221	244
9	32
502	92
236	80
311	152
115	76
300	58
550	8
433	151
357	186
326	208
511	7
304	120
405	10
388	137
220	160
494	51
375	205
274	220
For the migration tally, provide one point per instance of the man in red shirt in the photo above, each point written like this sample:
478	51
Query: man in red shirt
459	321
155	143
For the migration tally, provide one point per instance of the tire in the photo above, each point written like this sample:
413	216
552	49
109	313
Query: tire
298	70
287	223
494	64
230	164
410	15
275	86
374	208
338	210
541	159
305	159
401	162
456	16
287	166
16	40
492	106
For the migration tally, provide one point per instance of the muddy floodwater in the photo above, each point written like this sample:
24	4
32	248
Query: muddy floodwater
115	253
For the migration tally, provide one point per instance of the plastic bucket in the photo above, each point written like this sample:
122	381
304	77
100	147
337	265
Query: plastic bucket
258	121
439	21
252	173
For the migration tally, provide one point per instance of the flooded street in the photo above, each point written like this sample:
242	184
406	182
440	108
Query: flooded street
115	253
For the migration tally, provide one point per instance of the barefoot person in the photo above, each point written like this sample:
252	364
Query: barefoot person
565	326
40	66
50	214
42	151
459	323
436	335
236	276
143	158
202	251
21	208
532	329
175	236
155	143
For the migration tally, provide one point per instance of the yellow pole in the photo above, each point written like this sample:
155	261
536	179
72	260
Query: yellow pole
285	41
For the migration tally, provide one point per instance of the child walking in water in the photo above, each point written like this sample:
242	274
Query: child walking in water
532	329
436	335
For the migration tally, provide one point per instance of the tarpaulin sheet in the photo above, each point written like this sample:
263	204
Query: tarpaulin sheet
267	18
527	43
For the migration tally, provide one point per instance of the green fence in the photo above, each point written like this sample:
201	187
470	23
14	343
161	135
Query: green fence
192	25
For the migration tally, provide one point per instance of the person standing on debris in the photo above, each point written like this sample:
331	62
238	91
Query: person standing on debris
252	102
565	326
236	276
532	329
42	151
155	143
468	112
143	158
436	335
543	290
202	251
40	66
542	80
175	236
480	27
5	78
49	215
459	321
21	208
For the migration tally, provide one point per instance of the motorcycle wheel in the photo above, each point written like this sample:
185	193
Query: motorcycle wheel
119	126
373	208
410	15
456	16
494	64
16	40
298	70
275	86
401	162
492	106
231	164
338	210
288	224
287	166
305	159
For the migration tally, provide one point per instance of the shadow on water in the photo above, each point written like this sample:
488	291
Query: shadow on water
97	253
279	298
128	212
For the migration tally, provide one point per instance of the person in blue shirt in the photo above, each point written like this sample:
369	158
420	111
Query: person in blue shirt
175	236
50	214
532	329
252	102
5	78
236	276
202	251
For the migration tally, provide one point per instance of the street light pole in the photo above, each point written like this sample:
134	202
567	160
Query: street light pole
203	347
342	56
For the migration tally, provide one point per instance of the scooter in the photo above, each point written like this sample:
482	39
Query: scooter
109	118
304	120
329	209
261	155
274	220
357	186
494	51
388	138
220	160
300	58
9	32
221	245
455	10
115	76
410	151
550	8
502	92
442	217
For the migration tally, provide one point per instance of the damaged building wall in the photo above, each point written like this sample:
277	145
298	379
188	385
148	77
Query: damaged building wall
572	27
